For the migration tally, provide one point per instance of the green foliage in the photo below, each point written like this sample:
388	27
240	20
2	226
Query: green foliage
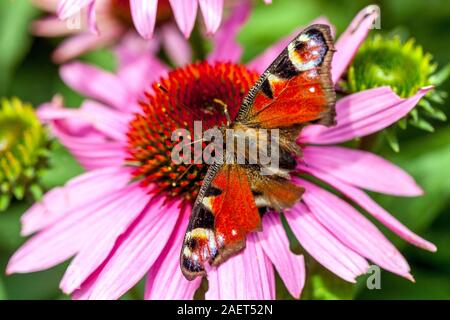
321	284
14	37
427	160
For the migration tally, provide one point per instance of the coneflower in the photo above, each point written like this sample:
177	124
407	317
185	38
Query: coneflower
117	229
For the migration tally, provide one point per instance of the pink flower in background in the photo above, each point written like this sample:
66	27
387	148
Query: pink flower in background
144	13
93	24
99	25
119	230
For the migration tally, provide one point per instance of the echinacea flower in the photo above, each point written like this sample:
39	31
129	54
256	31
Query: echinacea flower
99	25
144	13
24	149
126	217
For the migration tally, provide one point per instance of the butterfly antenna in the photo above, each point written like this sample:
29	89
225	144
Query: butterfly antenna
224	109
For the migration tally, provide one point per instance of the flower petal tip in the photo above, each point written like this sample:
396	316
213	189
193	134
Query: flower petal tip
410	278
372	8
9	270
13	267
427	88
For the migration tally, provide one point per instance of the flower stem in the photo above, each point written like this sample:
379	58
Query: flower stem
198	45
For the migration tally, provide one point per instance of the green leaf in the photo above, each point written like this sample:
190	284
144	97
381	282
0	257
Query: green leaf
3	295
15	39
62	167
321	284
256	36
437	96
103	58
428	285
439	77
427	159
423	125
42	285
392	140
10	226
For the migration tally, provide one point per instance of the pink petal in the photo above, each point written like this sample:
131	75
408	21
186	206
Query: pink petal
79	191
50	27
226	47
212	14
68	8
263	61
92	19
139	75
246	276
361	114
353	229
97	84
132	46
144	16
70	233
84	42
165	280
135	252
185	13
175	45
111	123
96	155
361	169
362	199
93	151
291	267
352	38
97	247
323	246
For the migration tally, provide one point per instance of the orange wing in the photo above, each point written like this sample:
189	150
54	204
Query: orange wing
297	87
224	213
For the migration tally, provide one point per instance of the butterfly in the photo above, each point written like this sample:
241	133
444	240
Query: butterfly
294	91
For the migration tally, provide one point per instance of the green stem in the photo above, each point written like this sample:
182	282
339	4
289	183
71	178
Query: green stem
198	45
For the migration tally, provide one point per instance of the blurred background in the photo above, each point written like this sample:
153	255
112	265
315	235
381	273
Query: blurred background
27	72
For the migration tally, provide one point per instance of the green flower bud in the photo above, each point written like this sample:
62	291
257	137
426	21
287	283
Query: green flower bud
24	146
405	67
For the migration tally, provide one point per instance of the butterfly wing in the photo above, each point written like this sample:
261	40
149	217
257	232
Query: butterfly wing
223	214
296	88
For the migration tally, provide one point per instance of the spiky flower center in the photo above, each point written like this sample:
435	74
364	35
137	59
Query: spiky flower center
387	61
24	147
197	92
